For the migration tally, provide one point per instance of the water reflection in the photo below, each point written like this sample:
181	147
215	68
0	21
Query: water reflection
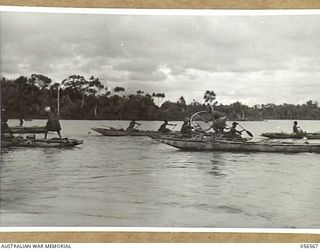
218	164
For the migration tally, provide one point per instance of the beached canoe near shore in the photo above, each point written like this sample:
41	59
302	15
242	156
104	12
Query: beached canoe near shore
311	136
239	146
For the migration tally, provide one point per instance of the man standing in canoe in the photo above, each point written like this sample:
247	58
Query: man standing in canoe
219	121
53	123
186	128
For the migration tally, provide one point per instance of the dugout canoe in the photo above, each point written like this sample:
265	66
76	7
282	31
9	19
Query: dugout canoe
7	143
27	130
311	136
117	132
239	146
46	143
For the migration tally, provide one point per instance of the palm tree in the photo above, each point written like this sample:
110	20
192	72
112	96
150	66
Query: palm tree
119	90
158	96
209	97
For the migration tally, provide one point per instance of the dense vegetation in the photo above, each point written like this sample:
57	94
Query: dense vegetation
82	98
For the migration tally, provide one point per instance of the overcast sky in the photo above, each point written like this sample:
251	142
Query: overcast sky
251	59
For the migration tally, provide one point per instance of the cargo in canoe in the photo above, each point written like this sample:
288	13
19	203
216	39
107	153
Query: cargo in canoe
45	143
311	136
27	130
121	132
238	146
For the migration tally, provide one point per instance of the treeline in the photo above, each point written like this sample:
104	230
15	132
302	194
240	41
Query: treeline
82	98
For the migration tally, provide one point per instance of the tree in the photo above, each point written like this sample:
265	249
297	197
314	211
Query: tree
209	97
158	96
76	83
119	90
140	92
182	104
40	81
182	101
94	88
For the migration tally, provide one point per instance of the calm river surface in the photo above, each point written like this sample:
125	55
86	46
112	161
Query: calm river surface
135	181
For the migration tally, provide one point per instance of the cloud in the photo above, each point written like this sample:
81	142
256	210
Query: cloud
253	59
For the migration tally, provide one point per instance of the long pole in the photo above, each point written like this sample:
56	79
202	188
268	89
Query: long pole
58	101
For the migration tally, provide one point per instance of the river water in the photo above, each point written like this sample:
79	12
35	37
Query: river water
138	182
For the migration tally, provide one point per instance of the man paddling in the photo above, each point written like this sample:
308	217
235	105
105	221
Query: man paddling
233	132
132	125
163	128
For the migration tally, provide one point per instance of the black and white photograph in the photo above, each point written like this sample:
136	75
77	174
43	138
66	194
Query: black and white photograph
169	119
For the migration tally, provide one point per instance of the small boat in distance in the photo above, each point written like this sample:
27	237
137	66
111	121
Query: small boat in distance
311	136
239	146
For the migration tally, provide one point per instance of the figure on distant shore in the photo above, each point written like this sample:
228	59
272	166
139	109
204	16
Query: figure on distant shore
219	121
21	117
132	125
186	129
163	128
53	123
5	129
297	129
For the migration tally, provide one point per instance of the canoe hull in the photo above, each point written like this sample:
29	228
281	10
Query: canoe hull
50	143
310	136
228	146
6	143
27	130
114	132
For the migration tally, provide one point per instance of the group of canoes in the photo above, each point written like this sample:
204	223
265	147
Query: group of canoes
218	137
186	131
222	138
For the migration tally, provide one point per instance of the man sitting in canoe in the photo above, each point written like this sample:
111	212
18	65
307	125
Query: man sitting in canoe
53	123
132	125
163	128
296	129
186	129
233	132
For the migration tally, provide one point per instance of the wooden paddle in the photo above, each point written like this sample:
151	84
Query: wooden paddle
248	132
